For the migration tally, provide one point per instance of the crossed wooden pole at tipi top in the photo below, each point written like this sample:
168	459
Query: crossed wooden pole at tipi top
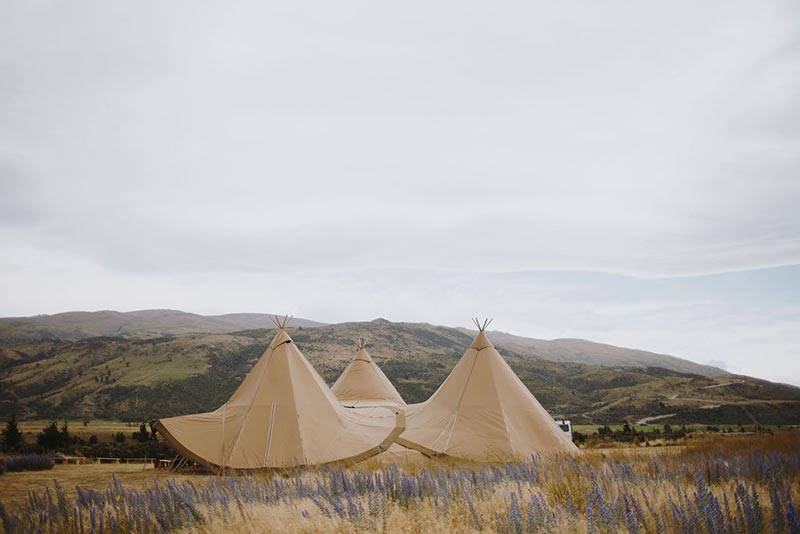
482	326
281	322
360	342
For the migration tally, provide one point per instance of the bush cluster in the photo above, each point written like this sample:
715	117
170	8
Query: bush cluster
54	439
28	462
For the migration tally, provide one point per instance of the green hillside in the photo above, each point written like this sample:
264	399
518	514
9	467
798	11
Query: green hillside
156	323
135	379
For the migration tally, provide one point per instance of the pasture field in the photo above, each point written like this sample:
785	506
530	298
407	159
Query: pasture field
592	429
104	430
714	483
14	487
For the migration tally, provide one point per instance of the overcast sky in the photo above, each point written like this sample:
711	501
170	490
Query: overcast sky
573	169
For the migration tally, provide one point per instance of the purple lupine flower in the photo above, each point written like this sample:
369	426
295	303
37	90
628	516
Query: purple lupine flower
322	508
514	516
9	524
336	504
591	525
475	518
792	518
630	518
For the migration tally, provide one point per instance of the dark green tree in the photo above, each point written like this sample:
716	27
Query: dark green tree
50	438
11	438
65	439
626	428
142	435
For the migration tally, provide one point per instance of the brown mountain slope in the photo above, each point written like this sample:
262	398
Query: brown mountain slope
143	323
136	379
591	353
155	323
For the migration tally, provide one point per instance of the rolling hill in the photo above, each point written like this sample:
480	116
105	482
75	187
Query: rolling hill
135	377
143	323
157	323
591	353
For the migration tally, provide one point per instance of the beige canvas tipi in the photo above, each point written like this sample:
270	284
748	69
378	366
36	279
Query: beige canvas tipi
482	411
283	414
363	384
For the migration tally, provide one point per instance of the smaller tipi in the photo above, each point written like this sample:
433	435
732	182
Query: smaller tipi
363	384
482	412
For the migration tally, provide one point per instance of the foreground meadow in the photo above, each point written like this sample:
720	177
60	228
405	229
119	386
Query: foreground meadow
743	483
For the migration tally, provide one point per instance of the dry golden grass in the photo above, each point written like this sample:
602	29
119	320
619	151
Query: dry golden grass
422	519
786	441
483	496
14	487
560	487
104	430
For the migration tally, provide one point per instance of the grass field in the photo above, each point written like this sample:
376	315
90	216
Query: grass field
716	483
104	430
593	429
14	487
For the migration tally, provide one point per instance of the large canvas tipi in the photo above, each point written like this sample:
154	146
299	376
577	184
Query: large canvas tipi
482	411
283	414
363	384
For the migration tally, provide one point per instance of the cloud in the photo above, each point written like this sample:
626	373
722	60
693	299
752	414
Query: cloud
18	202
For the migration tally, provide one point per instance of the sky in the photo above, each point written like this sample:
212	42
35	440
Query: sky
625	172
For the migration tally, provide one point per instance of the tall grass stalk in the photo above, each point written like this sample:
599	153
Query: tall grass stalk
727	485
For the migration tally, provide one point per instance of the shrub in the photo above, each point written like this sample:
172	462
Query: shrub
142	435
11	438
51	438
29	462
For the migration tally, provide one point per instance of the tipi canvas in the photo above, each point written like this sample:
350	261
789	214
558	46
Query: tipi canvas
482	411
363	384
283	414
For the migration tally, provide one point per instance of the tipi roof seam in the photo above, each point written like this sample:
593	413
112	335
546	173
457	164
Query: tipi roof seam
454	417
250	406
466	382
452	429
296	411
502	409
269	434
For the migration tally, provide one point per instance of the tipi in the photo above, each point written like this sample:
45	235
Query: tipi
283	414
482	411
363	384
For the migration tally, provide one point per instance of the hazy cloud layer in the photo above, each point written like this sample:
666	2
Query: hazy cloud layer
183	149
